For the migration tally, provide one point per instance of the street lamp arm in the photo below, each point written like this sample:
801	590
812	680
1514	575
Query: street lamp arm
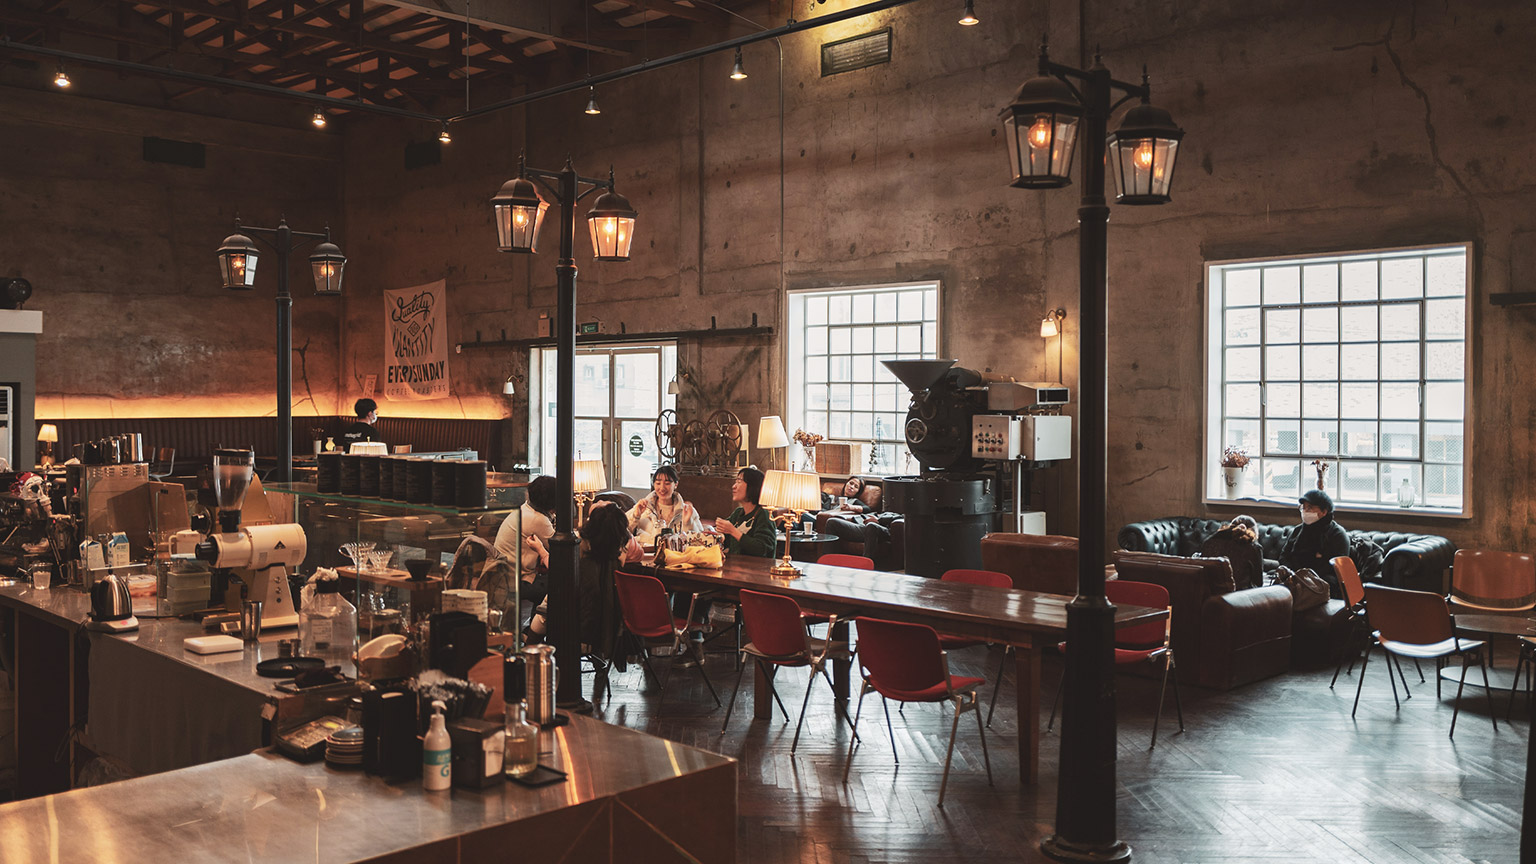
1066	73
539	176
262	233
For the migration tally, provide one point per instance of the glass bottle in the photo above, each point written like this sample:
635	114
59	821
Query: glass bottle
328	622
1405	496
521	755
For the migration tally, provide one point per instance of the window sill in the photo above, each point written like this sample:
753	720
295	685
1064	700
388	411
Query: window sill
1289	504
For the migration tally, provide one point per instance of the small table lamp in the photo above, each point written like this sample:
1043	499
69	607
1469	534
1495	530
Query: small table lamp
797	492
770	433
47	435
589	479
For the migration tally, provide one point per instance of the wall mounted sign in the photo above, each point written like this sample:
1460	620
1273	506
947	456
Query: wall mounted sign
415	342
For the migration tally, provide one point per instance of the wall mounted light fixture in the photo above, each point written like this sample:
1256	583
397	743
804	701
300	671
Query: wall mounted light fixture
969	19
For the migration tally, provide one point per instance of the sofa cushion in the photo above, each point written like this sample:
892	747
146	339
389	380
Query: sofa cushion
1217	576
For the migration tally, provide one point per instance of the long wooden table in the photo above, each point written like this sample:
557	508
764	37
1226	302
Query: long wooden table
1023	619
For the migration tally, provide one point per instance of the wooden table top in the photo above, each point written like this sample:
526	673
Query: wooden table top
998	614
1500	625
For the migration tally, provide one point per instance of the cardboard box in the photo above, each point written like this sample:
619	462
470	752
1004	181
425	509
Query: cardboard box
840	457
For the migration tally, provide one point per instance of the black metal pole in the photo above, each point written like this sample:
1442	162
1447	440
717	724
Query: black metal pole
565	546
284	356
1085	785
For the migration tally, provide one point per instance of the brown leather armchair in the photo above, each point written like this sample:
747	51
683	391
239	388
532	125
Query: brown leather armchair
1225	638
1036	562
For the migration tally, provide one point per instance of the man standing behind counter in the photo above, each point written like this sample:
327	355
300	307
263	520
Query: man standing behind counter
367	412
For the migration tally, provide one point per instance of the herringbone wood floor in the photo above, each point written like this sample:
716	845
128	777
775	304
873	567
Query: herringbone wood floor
1273	772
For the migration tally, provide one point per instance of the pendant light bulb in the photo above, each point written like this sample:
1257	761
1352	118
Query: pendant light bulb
969	19
737	72
61	78
444	136
318	118
592	101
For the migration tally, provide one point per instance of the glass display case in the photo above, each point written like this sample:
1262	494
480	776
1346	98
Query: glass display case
392	555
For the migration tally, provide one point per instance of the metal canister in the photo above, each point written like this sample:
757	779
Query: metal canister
539	666
134	447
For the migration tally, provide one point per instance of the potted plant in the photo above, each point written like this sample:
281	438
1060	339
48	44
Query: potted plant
1234	461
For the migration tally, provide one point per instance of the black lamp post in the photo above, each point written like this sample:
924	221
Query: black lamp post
237	262
1040	127
519	215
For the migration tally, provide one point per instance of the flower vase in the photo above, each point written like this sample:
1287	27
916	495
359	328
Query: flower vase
1232	481
810	459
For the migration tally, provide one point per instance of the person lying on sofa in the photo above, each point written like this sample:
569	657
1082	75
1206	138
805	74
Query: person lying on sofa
1317	541
1237	541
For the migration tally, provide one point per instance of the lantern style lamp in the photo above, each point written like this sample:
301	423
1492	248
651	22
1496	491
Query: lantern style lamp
519	215
1040	128
327	263
612	222
237	262
1142	154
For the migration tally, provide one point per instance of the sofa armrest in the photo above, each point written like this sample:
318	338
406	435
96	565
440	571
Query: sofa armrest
1419	564
1155	535
1246	636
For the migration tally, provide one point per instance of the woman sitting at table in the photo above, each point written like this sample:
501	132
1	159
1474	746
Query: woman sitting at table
663	510
749	529
606	545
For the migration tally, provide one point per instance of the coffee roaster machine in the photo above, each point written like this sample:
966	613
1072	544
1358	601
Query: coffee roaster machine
978	438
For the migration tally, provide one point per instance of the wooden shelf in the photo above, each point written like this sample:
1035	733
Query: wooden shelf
609	338
1513	298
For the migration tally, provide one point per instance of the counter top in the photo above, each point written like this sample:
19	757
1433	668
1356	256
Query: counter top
67	607
264	807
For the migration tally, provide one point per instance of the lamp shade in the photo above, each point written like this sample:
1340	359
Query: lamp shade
589	476
770	433
612	223
1142	153
327	263
237	262
519	215
48	432
1048	327
508	388
1040	129
792	490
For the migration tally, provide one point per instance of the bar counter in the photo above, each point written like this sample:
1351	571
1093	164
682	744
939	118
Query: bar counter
629	797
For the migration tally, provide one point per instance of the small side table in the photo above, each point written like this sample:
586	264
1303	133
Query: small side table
806	545
1489	625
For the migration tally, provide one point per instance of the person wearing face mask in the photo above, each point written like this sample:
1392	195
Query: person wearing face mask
1317	541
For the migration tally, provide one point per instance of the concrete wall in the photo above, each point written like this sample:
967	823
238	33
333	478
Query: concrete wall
121	256
1312	127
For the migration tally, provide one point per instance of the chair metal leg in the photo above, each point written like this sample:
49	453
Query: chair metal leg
1419	669
980	730
803	703
833	688
1056	701
772	689
1483	663
740	668
1365	660
1350	650
886	705
954	726
1407	694
998	684
1177	705
1456	709
1509	712
708	683
857	712
1392	680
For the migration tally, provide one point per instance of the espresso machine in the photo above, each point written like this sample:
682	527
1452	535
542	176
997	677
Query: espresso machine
258	555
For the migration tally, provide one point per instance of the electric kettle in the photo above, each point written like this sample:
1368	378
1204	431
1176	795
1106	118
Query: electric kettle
111	605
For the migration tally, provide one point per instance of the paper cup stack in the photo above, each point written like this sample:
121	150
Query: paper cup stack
465	600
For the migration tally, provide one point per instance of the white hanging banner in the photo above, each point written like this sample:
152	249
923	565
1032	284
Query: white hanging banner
415	342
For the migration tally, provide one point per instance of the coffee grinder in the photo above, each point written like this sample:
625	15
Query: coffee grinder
259	555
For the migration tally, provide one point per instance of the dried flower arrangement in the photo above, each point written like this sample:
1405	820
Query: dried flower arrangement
1234	457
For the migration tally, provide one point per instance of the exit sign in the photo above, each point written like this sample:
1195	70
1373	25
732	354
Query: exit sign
589	327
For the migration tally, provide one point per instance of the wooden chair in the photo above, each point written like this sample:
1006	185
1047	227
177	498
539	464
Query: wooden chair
904	662
1354	599
1417	625
648	615
776	636
1142	643
855	562
992	579
1489	581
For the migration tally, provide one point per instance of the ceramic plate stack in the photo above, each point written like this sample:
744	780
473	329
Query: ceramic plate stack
344	747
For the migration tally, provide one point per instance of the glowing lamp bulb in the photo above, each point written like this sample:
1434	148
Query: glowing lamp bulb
1144	155
1040	133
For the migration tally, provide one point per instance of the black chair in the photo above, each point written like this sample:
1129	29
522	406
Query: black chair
164	464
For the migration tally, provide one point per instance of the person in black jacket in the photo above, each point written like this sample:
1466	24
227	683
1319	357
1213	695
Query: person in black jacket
362	429
1237	542
1317	541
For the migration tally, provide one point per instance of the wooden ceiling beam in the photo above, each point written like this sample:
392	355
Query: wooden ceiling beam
504	22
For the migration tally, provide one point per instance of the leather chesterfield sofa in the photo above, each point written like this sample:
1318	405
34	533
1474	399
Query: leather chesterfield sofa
1417	561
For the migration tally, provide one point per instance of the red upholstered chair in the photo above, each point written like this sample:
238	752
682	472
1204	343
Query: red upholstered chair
648	615
1141	643
904	662
776	635
992	579
1417	625
854	562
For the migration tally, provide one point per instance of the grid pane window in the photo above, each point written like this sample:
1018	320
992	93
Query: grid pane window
1358	360
837	385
